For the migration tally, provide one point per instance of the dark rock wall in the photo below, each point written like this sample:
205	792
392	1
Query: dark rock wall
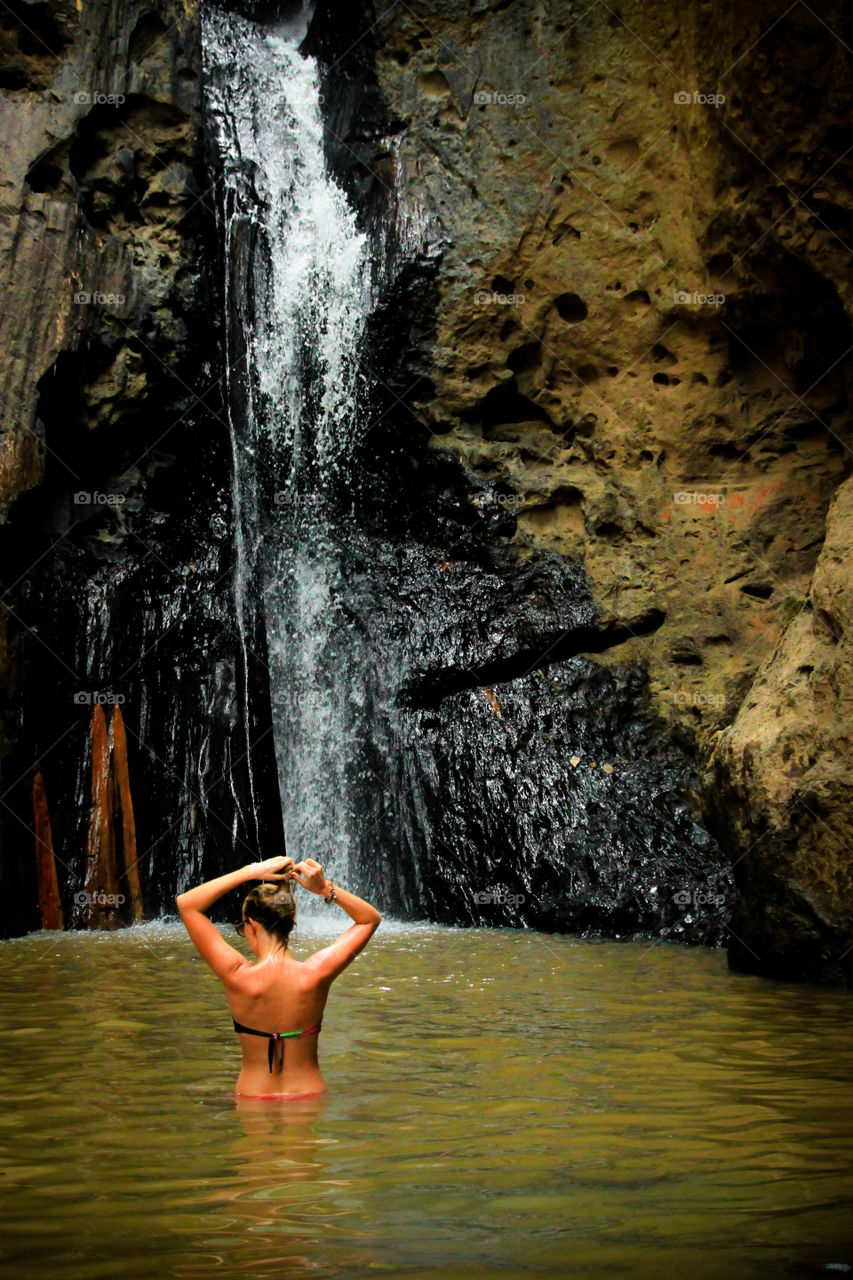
115	482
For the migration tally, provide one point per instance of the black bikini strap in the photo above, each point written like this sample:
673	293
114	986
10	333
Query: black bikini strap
275	1039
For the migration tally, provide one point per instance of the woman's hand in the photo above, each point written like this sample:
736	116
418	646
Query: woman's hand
272	869
310	875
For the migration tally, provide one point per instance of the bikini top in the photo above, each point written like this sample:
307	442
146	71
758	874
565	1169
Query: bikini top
276	1040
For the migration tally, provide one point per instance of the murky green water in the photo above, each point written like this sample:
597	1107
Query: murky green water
500	1103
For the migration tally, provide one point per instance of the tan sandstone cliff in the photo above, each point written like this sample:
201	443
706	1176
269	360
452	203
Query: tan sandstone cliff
643	329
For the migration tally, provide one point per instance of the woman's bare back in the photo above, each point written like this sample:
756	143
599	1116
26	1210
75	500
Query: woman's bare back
279	995
278	1001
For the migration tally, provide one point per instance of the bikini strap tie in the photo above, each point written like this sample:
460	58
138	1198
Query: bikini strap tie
275	1047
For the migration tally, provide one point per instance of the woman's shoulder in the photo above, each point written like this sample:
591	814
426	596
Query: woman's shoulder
257	978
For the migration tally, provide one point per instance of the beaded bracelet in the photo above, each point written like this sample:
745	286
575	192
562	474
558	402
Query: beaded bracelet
331	898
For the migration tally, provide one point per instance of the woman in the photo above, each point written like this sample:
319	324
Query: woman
278	1001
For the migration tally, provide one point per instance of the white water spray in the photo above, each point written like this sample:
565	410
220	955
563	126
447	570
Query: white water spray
297	294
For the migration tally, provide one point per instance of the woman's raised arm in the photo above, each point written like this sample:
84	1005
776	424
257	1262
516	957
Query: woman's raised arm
332	960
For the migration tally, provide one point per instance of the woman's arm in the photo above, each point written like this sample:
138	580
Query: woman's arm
223	959
332	960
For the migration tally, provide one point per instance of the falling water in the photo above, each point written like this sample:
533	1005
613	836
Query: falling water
297	292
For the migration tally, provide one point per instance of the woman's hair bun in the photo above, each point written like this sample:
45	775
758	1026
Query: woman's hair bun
273	906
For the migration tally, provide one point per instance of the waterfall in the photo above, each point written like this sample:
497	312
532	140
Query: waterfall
377	569
297	291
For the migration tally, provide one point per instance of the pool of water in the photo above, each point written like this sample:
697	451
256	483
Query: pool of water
500	1103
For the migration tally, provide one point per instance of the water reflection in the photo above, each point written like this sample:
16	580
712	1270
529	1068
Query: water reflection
275	1157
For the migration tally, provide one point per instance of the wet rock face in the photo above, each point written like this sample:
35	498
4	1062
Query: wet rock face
572	815
114	479
637	331
548	796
